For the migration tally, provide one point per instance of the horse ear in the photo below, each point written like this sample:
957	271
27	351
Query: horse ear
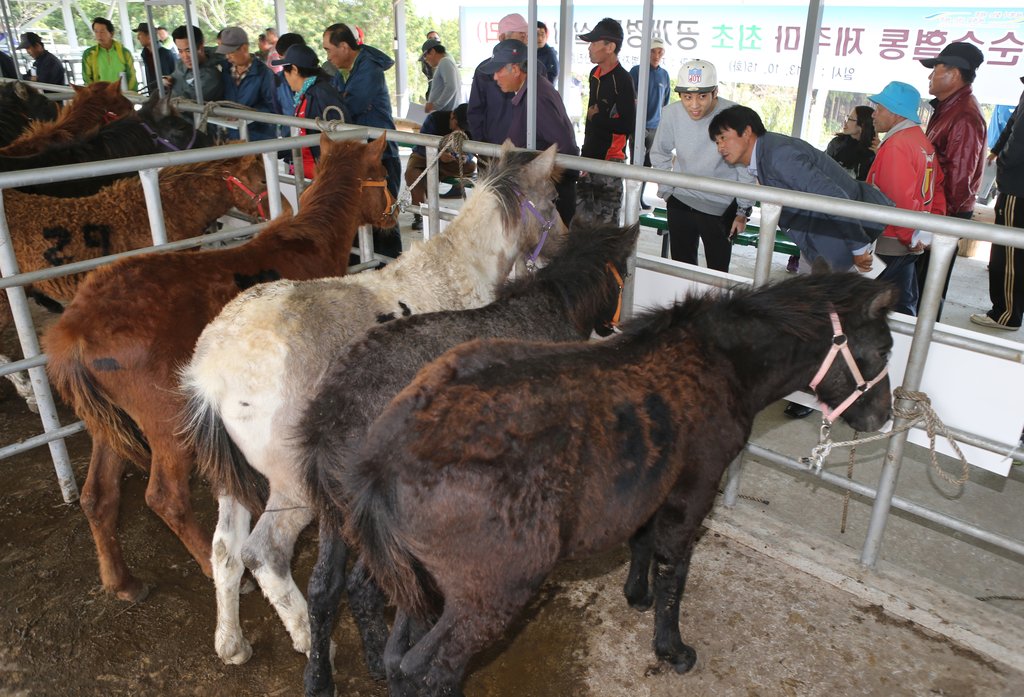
377	146
883	301
114	87
162	107
77	88
544	163
325	143
820	266
21	91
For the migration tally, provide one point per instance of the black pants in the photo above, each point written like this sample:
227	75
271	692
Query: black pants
565	195
1006	268
922	269
688	226
388	241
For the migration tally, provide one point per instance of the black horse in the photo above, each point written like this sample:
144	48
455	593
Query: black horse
21	104
501	457
578	292
157	127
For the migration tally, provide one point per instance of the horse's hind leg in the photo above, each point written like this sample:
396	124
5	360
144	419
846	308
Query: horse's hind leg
367	602
101	501
268	554
232	529
169	494
326	584
641	548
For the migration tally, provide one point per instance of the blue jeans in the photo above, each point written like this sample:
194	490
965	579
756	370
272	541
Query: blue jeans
901	271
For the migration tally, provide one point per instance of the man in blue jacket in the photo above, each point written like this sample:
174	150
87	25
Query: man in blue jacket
47	67
247	81
365	101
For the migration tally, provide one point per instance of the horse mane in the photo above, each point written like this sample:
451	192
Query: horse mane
580	267
501	178
798	306
333	186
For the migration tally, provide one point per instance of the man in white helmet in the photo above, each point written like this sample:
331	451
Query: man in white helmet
681	145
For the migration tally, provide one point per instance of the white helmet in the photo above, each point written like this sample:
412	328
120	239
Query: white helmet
697	76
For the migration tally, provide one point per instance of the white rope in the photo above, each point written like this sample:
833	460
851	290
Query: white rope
452	143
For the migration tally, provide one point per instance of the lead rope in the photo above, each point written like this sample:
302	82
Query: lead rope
453	143
919	411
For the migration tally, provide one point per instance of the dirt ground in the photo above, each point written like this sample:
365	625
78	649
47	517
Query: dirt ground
760	627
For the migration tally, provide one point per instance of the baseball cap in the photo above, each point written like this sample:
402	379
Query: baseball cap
696	76
605	30
899	98
507	51
658	42
232	39
299	55
428	45
29	38
512	22
958	54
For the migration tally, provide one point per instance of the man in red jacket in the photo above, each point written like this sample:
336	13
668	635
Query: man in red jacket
906	169
957	129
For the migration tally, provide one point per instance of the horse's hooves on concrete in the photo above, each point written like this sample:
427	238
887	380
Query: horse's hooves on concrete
684	661
134	592
642	605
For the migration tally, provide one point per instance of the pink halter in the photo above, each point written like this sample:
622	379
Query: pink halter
840	345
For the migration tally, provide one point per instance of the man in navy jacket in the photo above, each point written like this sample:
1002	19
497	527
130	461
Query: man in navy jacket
247	81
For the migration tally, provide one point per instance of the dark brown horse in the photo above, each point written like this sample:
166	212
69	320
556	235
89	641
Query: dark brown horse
502	458
578	292
115	352
93	105
20	105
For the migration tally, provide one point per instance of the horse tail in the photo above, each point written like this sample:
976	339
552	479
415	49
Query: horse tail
218	458
320	461
78	386
375	524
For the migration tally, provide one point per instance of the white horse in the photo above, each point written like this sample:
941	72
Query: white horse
257	365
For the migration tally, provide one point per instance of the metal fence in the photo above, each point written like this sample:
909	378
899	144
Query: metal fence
924	333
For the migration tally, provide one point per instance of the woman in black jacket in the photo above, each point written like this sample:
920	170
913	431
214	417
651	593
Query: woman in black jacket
852	146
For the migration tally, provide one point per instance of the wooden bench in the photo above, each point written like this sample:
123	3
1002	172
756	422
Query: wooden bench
658	219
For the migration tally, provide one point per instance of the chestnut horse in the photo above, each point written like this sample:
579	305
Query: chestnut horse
255	368
501	458
115	352
156	127
47	231
578	292
92	106
20	105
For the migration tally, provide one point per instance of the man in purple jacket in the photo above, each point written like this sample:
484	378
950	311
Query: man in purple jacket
508	65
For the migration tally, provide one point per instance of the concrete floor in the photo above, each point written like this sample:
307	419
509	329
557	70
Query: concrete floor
940	583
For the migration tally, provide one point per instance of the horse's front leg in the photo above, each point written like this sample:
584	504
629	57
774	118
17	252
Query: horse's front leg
232	528
669	583
641	553
268	555
325	588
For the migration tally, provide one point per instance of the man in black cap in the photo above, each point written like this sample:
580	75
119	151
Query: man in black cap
611	117
164	57
957	130
47	67
1006	264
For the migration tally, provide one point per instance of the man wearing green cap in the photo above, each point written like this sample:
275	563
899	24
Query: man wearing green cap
906	169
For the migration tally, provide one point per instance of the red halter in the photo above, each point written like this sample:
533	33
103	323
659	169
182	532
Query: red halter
840	344
237	183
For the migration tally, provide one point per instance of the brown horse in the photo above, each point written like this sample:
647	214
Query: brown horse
501	458
48	231
115	352
92	106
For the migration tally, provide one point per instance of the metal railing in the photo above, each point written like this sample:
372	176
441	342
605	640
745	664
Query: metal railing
924	332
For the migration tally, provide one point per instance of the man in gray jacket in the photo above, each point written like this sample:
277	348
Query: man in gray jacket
182	82
445	87
681	145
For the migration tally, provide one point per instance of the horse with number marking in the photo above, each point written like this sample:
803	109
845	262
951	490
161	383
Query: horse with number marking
48	231
256	366
116	351
502	458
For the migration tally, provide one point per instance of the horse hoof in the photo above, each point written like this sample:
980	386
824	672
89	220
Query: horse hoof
247	585
32	406
237	653
134	592
642	605
684	661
